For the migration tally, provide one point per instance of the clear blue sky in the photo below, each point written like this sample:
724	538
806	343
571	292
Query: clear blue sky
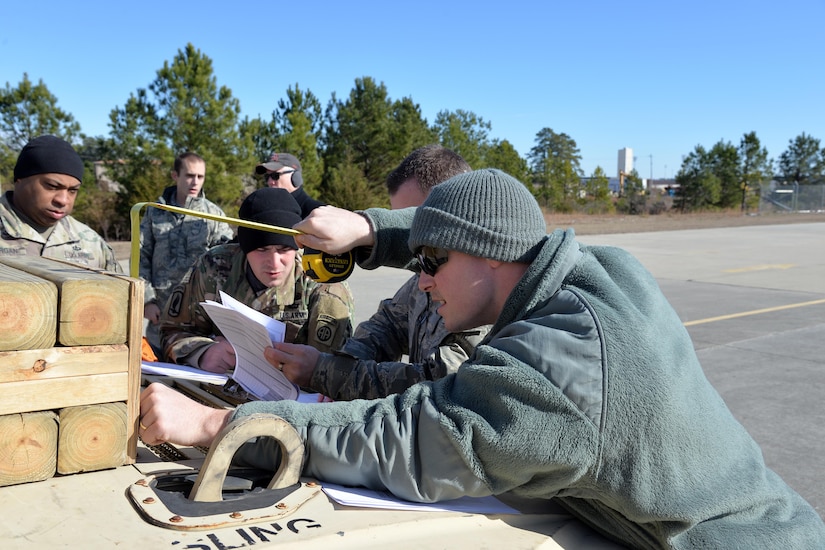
659	77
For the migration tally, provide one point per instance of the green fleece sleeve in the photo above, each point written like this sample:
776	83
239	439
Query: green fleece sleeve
392	231
396	443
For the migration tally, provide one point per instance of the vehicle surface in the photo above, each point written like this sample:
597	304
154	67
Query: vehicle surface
144	505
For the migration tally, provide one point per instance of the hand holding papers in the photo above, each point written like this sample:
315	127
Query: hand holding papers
249	332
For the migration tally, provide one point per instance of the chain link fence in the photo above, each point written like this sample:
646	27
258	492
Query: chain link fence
774	197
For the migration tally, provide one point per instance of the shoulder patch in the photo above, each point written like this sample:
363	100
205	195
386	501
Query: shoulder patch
175	302
325	328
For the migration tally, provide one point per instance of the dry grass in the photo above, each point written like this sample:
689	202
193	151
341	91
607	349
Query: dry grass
607	224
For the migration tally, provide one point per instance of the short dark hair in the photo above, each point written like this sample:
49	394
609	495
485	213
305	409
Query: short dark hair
429	165
186	157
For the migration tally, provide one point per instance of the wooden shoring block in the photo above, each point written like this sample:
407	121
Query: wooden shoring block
28	447
134	339
53	378
93	306
28	310
91	437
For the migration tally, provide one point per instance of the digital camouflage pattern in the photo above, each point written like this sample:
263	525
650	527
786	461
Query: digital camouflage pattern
69	240
170	242
316	314
369	365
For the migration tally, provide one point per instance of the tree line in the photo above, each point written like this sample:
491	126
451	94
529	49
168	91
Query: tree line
348	146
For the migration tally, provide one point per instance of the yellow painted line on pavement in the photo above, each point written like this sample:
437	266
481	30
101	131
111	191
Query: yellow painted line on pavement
764	267
754	312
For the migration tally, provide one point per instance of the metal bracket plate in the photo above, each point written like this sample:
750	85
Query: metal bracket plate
172	510
213	498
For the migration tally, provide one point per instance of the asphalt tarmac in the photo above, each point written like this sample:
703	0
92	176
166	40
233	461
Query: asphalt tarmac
753	300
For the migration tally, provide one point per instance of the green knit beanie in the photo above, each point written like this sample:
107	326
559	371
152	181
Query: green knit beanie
484	213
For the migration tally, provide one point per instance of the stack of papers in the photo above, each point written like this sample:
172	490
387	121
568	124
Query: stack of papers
250	332
367	498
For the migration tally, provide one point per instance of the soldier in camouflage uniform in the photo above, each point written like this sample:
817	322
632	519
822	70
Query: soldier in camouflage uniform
35	218
370	363
319	315
170	242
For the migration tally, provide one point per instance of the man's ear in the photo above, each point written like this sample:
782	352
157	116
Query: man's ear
173	175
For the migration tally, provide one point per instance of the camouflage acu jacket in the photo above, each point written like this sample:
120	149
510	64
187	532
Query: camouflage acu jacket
70	240
369	364
316	314
170	243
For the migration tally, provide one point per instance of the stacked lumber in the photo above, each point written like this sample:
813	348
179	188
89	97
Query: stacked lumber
70	342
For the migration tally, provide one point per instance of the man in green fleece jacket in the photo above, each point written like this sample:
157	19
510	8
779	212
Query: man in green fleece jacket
586	390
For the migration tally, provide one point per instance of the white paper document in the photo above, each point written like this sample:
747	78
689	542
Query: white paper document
249	332
367	498
182	371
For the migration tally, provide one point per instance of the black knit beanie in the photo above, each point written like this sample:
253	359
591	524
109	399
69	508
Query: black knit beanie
272	206
484	213
48	155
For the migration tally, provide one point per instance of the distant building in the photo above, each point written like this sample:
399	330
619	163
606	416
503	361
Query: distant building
625	163
614	184
665	186
624	169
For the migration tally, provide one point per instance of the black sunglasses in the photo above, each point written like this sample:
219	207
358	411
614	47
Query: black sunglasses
277	175
430	259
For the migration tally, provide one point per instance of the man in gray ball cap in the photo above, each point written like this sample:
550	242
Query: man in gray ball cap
283	171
